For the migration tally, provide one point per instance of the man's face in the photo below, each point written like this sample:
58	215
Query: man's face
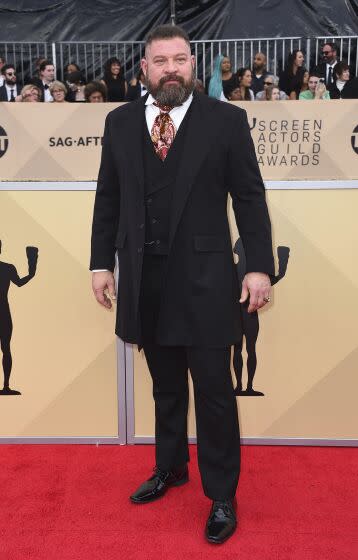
329	55
10	76
169	70
48	74
259	61
312	83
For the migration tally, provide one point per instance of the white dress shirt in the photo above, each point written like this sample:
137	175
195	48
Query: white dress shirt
8	90
177	115
47	95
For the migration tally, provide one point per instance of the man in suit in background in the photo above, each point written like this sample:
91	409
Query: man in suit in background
324	70
168	162
136	87
9	90
47	76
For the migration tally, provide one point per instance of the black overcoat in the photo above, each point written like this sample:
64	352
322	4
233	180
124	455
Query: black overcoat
200	293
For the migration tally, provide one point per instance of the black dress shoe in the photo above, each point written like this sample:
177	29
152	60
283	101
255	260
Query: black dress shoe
221	523
159	483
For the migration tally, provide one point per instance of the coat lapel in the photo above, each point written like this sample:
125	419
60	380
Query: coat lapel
134	142
199	136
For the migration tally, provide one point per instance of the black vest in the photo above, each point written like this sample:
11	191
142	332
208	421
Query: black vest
159	178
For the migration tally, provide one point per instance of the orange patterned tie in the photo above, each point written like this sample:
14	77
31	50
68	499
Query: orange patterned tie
163	131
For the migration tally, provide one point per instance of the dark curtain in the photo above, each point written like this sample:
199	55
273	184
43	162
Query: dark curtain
115	20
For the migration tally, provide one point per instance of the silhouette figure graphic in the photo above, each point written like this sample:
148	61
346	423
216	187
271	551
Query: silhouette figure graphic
250	324
9	274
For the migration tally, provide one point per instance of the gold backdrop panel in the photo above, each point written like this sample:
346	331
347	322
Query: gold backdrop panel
307	348
63	345
294	140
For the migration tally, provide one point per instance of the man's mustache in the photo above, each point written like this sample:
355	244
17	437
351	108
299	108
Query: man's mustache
170	78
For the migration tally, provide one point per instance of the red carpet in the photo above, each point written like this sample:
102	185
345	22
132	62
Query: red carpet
70	502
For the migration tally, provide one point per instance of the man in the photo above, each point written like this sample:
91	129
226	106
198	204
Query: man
9	91
259	72
316	89
325	69
168	163
47	76
136	87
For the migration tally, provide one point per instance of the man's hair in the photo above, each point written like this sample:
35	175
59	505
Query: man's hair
332	45
166	32
45	63
7	67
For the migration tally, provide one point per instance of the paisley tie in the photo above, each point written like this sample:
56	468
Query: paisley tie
163	131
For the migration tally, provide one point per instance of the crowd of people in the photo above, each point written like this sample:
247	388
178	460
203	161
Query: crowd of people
331	79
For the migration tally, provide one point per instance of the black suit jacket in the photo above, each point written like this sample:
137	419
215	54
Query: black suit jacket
200	294
133	92
3	93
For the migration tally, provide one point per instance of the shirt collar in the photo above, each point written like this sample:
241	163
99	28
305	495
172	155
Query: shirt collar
150	101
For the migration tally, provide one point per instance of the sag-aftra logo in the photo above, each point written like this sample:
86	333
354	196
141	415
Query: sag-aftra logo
4	142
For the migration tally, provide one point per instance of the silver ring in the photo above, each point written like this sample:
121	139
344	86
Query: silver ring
267	299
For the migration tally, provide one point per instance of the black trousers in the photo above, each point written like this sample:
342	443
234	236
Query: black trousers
216	415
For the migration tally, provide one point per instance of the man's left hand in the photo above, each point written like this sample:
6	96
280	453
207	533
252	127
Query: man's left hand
257	285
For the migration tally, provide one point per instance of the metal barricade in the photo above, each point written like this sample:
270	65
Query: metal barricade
92	55
24	55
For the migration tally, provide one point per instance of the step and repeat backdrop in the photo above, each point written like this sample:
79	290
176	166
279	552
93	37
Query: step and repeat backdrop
59	346
294	140
305	341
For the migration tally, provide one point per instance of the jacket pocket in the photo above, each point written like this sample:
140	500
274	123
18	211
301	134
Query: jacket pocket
209	244
120	239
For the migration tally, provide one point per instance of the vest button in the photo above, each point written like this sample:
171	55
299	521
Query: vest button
139	250
141	226
154	221
149	201
157	242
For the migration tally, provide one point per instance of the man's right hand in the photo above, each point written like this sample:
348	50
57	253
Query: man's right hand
102	282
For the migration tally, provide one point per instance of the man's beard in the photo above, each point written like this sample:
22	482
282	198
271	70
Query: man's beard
171	95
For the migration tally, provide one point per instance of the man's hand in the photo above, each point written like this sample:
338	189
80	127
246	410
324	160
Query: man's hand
101	282
257	285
